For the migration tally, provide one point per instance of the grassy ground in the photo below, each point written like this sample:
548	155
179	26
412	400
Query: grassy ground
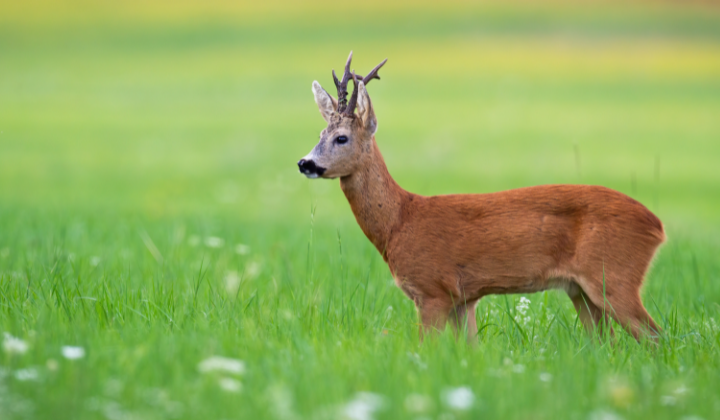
152	214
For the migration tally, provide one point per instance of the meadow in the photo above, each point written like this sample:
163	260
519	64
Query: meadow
161	256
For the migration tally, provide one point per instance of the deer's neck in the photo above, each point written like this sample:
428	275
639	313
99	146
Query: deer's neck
375	199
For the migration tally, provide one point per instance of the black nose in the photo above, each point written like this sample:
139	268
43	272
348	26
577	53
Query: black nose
308	167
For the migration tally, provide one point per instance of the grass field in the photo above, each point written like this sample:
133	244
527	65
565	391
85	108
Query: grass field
152	217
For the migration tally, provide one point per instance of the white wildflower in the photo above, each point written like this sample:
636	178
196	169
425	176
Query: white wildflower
604	415
681	390
112	410
94	261
29	374
461	398
363	406
230	385
546	377
418	403
415	358
114	387
232	282
73	352
222	364
668	400
242	249
523	305
214	242
14	345
252	270
521	308
712	324
282	402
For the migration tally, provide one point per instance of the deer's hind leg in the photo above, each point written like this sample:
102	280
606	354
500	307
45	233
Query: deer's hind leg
627	309
590	314
621	300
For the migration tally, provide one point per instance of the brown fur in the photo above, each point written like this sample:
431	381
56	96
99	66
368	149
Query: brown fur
447	252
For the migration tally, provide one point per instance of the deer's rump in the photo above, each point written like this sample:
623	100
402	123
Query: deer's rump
522	240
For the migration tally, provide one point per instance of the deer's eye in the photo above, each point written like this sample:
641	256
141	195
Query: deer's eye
341	139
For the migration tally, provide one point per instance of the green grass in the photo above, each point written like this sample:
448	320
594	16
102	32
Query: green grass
130	138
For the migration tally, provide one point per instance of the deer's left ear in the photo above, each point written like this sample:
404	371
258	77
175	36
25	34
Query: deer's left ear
365	109
324	101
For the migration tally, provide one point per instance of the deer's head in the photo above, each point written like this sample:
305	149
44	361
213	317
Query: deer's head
345	144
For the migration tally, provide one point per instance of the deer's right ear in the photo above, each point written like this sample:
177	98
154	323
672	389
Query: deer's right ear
325	102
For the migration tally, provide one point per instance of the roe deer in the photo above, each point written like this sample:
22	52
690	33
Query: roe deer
446	252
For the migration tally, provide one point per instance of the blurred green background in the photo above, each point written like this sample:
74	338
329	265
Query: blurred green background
152	213
175	107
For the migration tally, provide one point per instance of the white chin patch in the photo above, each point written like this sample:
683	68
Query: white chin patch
311	176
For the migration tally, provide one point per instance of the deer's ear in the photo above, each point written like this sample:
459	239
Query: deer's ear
365	110
325	102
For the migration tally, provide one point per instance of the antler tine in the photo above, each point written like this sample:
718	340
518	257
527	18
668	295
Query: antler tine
348	74
373	73
350	108
341	85
337	82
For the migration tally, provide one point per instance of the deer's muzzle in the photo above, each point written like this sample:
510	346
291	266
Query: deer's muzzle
310	169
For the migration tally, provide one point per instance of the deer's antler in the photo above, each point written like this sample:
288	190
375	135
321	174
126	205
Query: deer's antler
345	107
373	73
341	85
350	109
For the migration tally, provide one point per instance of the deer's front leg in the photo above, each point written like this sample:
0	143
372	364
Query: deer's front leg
463	316
434	314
